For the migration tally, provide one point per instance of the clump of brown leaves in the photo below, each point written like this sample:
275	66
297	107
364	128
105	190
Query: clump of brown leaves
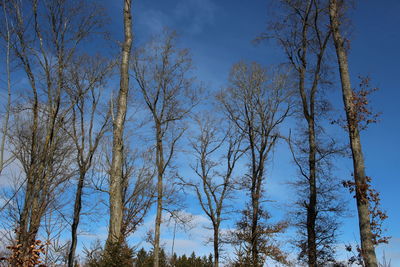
32	258
377	215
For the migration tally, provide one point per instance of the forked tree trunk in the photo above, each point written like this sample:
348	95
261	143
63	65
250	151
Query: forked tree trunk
116	183
25	237
367	246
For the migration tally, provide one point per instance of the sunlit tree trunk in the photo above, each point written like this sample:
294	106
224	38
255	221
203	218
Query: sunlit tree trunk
367	246
116	179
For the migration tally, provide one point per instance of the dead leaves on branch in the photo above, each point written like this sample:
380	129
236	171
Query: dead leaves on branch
32	258
360	112
370	195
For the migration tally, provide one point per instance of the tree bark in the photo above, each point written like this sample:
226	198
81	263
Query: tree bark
116	183
367	246
160	173
254	231
309	116
257	178
75	222
216	245
311	208
8	106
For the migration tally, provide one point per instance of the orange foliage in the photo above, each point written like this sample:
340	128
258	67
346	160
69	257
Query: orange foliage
32	259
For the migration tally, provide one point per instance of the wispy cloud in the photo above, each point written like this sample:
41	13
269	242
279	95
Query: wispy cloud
199	14
190	16
154	21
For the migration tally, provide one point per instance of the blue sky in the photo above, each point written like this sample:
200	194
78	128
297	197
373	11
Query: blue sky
220	33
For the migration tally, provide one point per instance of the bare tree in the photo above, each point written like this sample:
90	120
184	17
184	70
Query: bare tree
55	249
47	36
256	105
216	151
303	34
329	206
86	79
162	74
50	184
139	189
7	35
336	12
116	179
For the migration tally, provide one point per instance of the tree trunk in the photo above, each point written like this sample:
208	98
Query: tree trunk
255	201
367	246
24	236
254	232
216	246
160	173
29	226
309	116
116	202
311	208
75	222
8	105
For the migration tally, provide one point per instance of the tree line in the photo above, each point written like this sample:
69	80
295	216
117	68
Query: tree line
69	138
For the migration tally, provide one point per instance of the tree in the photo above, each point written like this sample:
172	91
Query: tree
138	192
47	36
303	36
138	189
86	77
7	36
116	179
142	259
211	147
256	105
145	259
336	13
162	74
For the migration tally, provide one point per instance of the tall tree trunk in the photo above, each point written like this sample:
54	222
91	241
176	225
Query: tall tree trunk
160	174
367	246
8	106
116	183
216	245
311	208
75	221
254	231
24	235
29	224
255	201
309	116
